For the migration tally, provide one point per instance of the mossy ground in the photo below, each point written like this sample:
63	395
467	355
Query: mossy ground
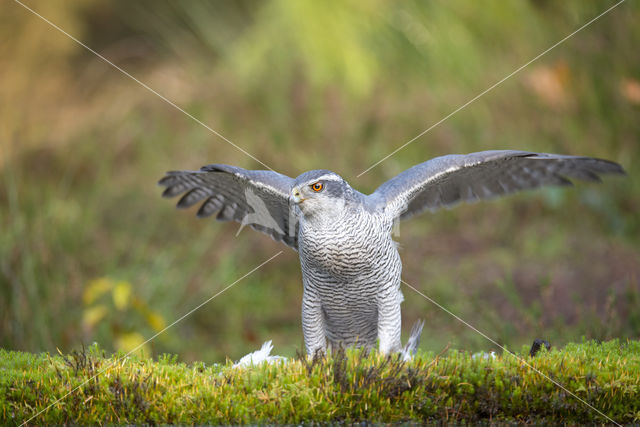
341	387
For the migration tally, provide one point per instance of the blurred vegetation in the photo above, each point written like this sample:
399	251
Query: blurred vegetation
306	85
342	387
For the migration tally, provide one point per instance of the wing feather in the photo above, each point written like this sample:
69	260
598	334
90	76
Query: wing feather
256	198
210	206
448	180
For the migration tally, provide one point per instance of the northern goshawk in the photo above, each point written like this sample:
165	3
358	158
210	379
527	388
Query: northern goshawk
350	263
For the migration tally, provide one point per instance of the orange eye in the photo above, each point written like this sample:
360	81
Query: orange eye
317	187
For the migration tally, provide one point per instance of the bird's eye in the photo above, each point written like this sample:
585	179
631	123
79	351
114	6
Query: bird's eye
317	187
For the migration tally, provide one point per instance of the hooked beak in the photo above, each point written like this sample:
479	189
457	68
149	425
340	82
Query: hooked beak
296	197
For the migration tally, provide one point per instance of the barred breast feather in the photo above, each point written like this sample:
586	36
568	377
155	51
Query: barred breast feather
348	265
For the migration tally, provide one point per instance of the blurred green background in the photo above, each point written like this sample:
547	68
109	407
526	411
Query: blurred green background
89	251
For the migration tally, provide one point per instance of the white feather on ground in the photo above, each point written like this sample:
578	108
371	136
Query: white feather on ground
259	356
411	347
484	355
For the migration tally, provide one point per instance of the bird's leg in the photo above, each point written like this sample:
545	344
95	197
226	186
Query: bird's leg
313	327
389	321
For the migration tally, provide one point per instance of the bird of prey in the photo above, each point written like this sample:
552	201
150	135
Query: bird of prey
350	263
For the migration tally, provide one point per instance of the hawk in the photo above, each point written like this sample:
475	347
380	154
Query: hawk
350	263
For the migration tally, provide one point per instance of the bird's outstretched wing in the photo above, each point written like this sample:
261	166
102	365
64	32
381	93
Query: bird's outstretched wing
445	181
251	197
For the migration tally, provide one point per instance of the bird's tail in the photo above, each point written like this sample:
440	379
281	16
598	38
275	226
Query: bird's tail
414	340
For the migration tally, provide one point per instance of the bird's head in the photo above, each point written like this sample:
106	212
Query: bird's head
319	191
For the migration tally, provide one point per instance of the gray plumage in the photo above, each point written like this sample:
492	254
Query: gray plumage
350	264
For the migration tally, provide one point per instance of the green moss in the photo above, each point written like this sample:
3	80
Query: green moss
341	387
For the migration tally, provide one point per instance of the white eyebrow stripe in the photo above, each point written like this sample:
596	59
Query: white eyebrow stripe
327	177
